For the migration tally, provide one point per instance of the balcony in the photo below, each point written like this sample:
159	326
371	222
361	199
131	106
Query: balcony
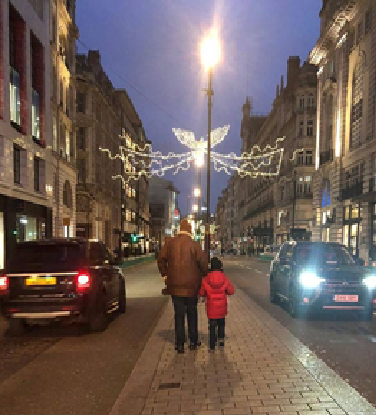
355	190
326	156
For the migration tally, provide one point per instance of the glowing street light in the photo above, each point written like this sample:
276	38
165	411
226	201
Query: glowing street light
197	192
210	50
195	208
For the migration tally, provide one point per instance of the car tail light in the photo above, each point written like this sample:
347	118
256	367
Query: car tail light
83	281
4	284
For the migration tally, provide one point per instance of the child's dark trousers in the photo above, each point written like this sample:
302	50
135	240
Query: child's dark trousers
213	325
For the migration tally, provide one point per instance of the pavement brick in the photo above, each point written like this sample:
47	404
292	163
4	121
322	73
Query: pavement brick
257	372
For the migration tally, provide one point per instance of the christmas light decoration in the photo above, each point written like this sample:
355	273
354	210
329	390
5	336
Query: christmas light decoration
143	161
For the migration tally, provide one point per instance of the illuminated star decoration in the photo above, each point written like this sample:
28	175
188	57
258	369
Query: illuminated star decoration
142	161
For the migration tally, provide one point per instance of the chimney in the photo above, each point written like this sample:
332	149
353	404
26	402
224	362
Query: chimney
293	69
277	91
282	85
94	58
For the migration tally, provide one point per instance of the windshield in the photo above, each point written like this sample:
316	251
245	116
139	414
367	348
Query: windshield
47	254
323	254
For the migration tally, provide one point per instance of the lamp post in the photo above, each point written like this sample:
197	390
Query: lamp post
210	54
293	204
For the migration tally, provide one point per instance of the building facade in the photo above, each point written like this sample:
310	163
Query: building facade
345	179
265	210
26	188
64	33
108	209
164	211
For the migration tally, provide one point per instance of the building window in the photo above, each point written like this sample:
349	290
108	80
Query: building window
311	101
67	195
357	106
17	164
81	104
301	103
35	116
81	138
325	200
301	128
308	157
36	174
310	128
307	184
15	98
300	158
81	166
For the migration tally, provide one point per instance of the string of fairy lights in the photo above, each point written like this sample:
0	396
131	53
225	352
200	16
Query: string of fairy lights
139	161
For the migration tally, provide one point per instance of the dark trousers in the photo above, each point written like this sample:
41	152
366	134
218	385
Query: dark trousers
215	324
182	305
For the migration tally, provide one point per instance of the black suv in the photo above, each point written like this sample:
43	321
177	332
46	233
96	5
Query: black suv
323	276
61	278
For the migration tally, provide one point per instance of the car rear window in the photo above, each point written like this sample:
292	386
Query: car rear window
323	254
48	254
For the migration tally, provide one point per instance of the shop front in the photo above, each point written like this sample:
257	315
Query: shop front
21	221
352	227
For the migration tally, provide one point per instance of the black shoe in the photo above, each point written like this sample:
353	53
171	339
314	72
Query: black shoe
221	343
180	349
194	346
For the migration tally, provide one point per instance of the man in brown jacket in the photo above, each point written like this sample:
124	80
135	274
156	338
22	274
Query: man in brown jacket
184	264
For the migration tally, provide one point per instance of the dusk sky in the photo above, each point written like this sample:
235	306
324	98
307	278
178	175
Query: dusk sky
151	48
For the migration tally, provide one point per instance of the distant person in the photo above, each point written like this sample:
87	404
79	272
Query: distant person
216	287
183	263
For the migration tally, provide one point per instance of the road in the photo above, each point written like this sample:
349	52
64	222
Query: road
346	344
63	370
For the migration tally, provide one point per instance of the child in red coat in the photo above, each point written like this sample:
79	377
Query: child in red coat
216	287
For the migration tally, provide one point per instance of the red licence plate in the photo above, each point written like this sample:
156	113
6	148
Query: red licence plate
346	298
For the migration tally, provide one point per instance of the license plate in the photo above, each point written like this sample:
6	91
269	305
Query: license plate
37	280
346	298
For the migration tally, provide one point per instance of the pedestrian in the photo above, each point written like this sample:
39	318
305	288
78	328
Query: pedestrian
216	287
184	264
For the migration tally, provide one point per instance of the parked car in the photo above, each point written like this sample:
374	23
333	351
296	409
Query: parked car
53	279
321	276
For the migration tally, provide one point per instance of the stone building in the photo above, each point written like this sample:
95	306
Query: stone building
25	123
64	33
164	212
106	118
269	210
344	183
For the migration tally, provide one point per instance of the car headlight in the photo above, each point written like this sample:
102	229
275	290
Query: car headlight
370	282
310	280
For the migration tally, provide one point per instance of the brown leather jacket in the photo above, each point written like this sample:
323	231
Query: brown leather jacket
184	263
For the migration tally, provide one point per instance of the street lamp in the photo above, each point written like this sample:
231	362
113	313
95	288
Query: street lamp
194	208
210	55
197	192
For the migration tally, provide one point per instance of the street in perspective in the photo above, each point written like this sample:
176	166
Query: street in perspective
187	207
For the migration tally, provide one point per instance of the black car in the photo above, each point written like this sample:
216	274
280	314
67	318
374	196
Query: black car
323	276
61	279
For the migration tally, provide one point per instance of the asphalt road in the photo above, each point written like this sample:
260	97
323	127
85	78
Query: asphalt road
344	343
63	370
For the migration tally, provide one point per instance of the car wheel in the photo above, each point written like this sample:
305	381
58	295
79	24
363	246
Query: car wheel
295	309
17	327
367	314
98	319
122	299
274	299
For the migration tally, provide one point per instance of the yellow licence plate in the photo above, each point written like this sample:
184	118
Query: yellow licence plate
37	280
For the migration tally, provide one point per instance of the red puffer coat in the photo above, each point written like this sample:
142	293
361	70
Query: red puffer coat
216	287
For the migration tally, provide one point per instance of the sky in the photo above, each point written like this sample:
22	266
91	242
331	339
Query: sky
152	49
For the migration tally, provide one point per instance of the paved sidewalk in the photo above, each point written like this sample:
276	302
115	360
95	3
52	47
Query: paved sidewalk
262	370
